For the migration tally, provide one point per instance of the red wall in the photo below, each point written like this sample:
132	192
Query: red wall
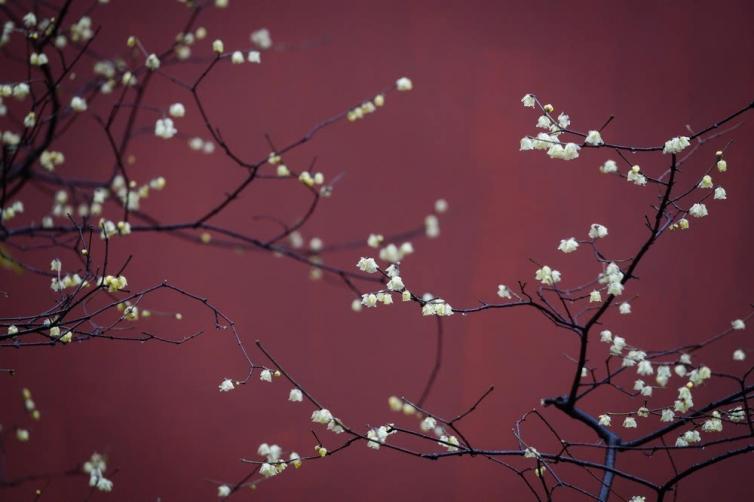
155	409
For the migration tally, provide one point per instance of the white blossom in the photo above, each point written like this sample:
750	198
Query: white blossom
706	182
594	138
227	385
568	245
367	265
261	38
441	206
605	420
676	145
78	104
629	423
452	440
265	375
595	297
547	276
618	344
698	210
597	231
720	194
177	110
296	396
395	284
267	470
645	368
739	355
568	152
663	375
153	62
164	128
503	291
667	415
223	491
322	416
526	144
529	101
634	176
692	436
624	308
713	424
564	121
404	84
428	424
606	336
609	167
738	324
369	300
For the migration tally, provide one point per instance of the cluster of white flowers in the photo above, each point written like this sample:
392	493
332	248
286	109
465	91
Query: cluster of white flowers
451	443
698	210
50	159
550	141
96	467
394	254
110	229
676	145
113	283
274	464
432	226
713	424
377	436
29	403
198	144
688	438
368	265
371	300
10	212
568	245
366	108
324	417
547	276
38	59
82	30
58	284
503	291
613	278
307	179
397	404
436	306
164	128
634	176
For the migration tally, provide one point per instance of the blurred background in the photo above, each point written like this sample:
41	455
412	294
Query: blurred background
155	410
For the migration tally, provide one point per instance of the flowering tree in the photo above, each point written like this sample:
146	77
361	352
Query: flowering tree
687	416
